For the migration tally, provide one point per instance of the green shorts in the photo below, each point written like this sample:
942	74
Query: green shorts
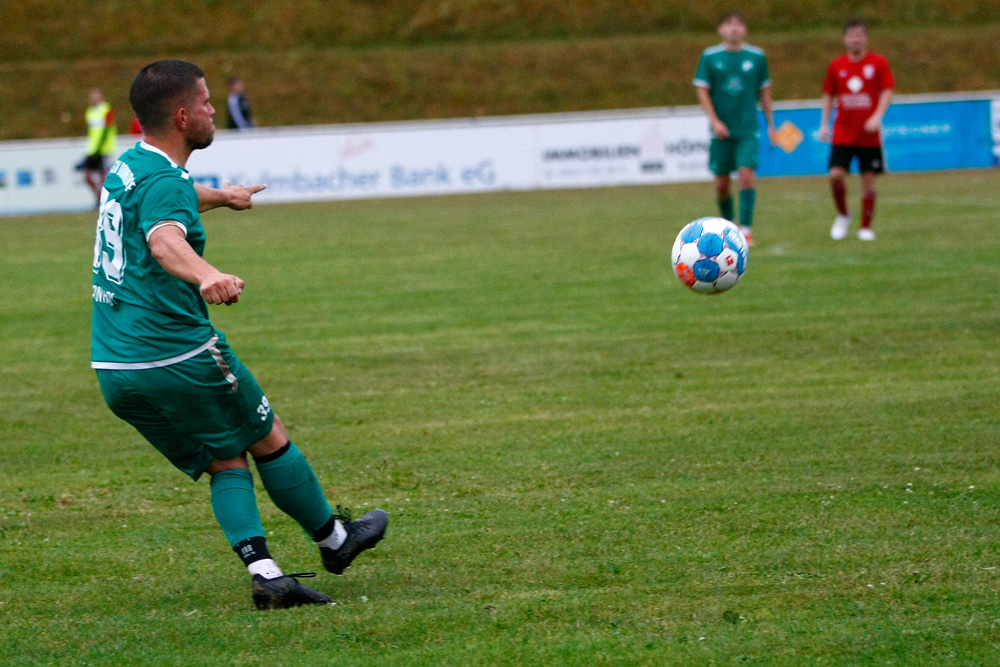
727	155
206	407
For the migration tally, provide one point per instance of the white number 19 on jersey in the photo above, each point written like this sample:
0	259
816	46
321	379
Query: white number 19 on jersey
109	247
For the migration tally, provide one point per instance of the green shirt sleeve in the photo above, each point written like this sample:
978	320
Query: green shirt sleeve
765	75
169	198
701	73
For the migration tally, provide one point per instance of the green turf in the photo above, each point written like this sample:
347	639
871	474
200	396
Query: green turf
584	462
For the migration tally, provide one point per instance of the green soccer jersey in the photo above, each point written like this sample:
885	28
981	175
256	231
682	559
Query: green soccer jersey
734	80
143	317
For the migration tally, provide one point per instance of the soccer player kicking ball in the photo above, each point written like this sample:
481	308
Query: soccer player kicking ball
863	84
730	79
167	371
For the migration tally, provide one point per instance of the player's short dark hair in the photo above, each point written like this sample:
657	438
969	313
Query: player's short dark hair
855	23
733	15
158	89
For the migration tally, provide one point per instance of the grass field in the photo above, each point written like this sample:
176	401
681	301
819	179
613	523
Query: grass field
584	463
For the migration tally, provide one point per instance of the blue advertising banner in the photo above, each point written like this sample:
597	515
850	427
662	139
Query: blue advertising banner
917	136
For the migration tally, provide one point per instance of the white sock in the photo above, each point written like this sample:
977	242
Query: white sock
266	568
336	538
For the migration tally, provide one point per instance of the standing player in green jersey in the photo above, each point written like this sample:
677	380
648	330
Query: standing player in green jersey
731	78
167	371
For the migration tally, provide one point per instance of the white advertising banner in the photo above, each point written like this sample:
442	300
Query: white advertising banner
399	159
626	151
40	177
314	164
449	157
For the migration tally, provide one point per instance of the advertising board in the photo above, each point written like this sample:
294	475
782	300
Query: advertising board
547	151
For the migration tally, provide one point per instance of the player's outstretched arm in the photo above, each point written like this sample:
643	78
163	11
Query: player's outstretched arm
171	249
236	197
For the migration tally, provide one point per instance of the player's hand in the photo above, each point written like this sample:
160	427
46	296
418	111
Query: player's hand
824	134
221	287
772	136
872	125
720	130
238	197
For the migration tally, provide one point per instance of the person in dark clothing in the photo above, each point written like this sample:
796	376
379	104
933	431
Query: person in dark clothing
238	106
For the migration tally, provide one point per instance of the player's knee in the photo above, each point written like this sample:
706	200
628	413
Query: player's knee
236	463
274	441
278	430
722	187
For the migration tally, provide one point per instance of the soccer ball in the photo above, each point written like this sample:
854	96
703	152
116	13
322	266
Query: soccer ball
710	255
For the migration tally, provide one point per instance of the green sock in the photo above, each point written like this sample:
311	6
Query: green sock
747	199
726	208
292	485
235	505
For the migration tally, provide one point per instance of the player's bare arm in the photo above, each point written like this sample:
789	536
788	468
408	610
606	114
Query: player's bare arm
170	248
767	106
874	121
718	127
236	197
824	118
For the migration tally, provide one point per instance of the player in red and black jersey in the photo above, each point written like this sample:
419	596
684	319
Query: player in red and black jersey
862	84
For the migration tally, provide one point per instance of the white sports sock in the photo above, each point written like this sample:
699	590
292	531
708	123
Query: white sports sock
266	568
336	538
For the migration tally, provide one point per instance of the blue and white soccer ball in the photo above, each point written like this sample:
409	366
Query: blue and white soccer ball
710	255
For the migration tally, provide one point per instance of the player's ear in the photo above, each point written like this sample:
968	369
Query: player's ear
181	118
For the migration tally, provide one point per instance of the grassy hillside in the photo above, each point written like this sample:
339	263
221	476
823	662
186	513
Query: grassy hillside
393	61
75	29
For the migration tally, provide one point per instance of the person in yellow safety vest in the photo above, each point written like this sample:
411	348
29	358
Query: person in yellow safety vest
101	140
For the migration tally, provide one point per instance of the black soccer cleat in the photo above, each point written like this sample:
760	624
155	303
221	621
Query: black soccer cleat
284	592
362	534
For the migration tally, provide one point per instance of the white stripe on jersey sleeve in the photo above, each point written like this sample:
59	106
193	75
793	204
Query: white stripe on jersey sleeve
166	223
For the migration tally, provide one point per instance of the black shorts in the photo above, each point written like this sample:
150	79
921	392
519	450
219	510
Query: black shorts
96	162
870	158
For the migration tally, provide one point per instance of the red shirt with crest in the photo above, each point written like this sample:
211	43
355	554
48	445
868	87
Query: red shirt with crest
857	87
